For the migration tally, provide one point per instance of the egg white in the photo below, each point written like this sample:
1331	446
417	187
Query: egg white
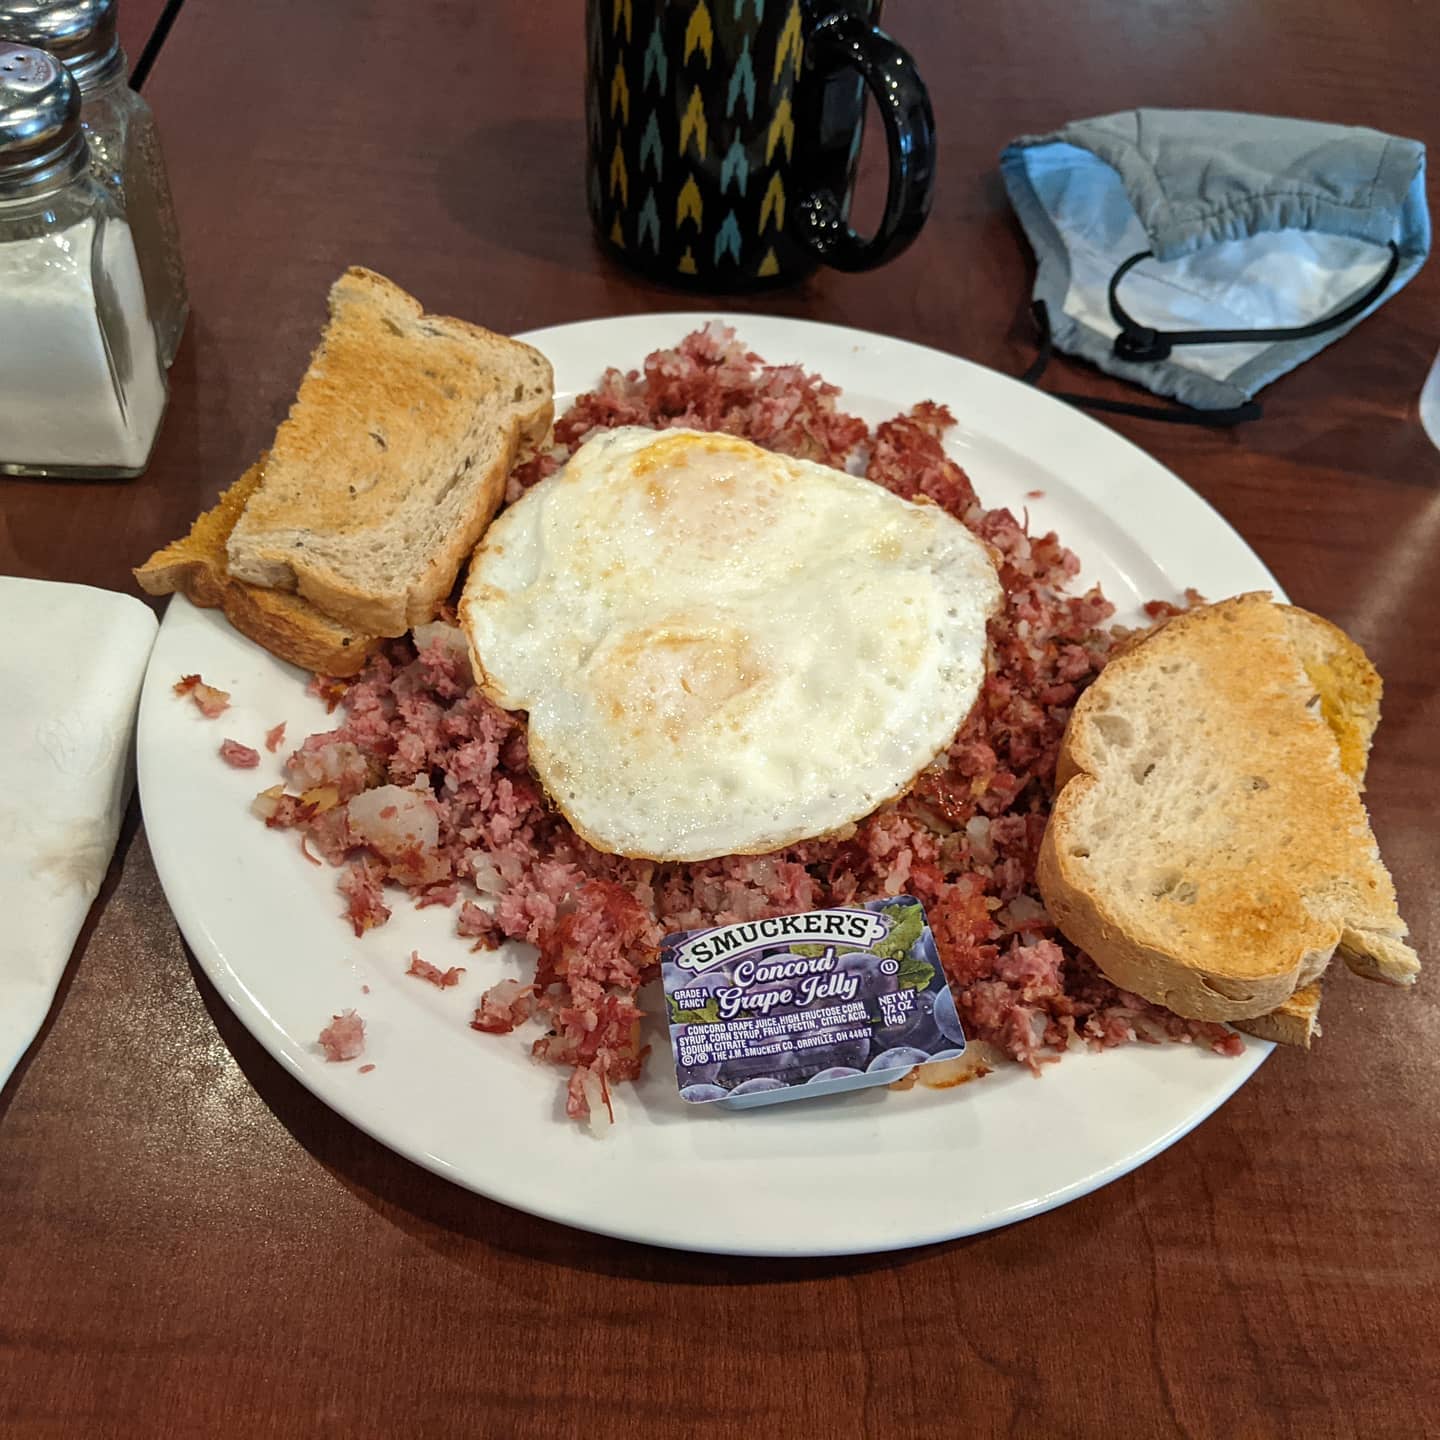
723	650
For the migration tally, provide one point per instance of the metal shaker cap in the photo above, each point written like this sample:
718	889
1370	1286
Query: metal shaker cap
81	33
41	144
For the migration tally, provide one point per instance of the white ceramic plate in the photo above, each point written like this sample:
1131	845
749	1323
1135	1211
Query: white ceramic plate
874	1171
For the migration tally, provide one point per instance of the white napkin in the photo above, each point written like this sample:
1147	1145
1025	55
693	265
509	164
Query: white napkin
71	663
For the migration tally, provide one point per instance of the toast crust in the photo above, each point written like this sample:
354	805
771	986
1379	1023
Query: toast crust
286	625
1295	1021
1346	682
1241	897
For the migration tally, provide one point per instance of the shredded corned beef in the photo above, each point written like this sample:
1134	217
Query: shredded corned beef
710	381
344	1037
964	839
504	1006
1164	609
275	737
242	757
362	885
209	701
440	979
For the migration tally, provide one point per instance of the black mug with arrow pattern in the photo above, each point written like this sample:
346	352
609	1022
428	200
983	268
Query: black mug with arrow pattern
723	137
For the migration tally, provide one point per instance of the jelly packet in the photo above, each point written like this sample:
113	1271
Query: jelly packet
804	1005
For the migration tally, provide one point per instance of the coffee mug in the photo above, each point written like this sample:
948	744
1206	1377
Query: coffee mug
723	137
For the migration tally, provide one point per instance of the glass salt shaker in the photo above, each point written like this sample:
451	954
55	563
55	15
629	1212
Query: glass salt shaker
124	143
82	389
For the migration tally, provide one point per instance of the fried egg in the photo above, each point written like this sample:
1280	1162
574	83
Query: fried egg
722	650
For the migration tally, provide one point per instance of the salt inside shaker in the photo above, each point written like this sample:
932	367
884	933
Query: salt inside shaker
124	143
82	389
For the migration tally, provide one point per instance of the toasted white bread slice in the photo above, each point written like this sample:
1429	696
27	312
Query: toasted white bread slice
393	458
1208	847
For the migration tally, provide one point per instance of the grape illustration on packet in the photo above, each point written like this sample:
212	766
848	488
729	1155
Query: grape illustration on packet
797	1006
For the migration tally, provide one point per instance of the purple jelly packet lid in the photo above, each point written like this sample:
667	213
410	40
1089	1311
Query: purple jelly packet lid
798	1006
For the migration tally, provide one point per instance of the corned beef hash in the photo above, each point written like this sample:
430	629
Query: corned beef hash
859	697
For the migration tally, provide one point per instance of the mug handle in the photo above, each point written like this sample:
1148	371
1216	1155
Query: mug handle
843	40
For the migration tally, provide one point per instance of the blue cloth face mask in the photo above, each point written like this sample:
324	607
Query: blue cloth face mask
1202	254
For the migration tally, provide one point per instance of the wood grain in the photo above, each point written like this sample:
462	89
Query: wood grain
190	1244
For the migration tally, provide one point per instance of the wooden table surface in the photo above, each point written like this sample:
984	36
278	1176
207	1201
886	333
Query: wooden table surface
136	20
190	1244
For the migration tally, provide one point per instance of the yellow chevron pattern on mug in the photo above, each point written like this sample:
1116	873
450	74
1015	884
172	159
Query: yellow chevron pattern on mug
617	235
619	179
687	262
769	265
620	93
782	127
699	32
772	205
622	7
690	206
789	45
693	123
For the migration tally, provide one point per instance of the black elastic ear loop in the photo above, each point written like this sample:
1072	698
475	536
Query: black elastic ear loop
1170	414
1141	343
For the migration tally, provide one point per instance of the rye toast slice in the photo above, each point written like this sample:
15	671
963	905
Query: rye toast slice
286	625
393	458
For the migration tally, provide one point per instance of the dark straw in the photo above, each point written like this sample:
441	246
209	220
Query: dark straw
151	52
